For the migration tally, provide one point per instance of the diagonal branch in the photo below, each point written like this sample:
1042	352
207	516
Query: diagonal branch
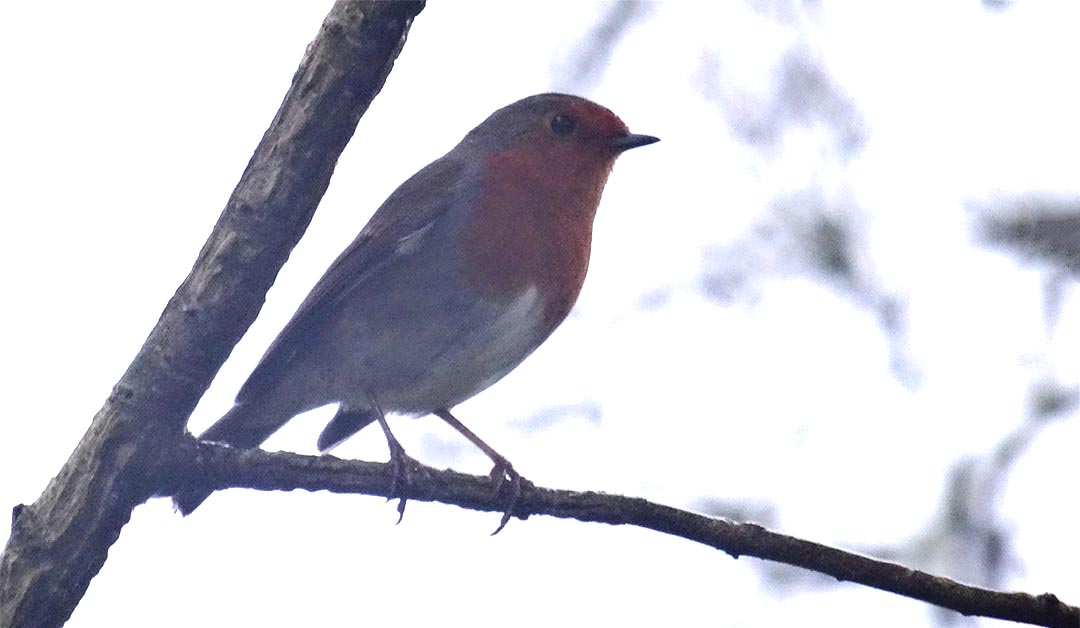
59	543
214	466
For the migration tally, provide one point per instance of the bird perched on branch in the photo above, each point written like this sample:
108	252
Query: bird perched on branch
461	273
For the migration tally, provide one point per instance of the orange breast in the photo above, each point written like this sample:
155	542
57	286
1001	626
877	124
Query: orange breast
532	226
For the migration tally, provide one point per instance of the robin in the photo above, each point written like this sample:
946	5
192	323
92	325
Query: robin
460	275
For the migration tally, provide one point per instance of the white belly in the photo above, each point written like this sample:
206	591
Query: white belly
471	359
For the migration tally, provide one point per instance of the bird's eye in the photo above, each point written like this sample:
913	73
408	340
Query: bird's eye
563	125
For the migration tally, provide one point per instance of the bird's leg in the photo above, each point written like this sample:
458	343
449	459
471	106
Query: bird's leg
399	462
500	473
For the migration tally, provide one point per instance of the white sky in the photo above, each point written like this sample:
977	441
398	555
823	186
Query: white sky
126	125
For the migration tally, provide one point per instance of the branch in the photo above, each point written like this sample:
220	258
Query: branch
59	543
215	466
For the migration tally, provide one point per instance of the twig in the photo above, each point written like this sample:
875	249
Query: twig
211	465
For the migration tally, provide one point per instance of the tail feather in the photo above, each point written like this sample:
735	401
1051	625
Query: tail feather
245	425
345	423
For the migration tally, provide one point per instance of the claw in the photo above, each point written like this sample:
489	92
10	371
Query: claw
398	459
400	464
499	474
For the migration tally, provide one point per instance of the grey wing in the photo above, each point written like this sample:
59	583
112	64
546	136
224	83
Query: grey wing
405	216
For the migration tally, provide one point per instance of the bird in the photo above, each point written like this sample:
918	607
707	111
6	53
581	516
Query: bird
462	272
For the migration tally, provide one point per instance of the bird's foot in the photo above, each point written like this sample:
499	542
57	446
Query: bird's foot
502	473
401	467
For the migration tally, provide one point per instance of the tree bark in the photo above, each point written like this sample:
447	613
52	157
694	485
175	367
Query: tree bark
59	542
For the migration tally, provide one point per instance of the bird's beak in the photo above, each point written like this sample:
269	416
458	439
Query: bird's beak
631	140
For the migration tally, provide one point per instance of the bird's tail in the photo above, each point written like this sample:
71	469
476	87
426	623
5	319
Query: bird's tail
347	421
245	425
